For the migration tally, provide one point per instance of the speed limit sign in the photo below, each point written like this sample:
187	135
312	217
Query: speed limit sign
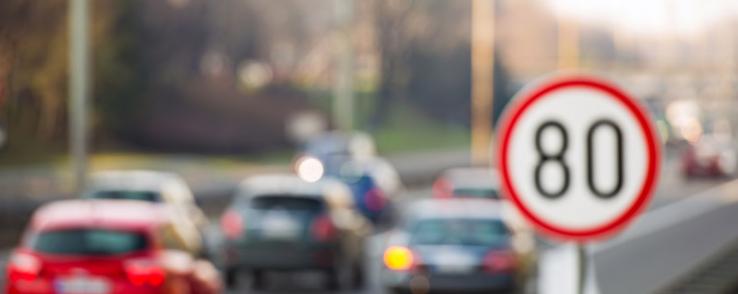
578	157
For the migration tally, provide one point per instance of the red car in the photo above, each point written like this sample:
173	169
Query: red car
105	247
710	156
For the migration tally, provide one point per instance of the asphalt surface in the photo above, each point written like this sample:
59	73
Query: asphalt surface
686	223
672	187
312	282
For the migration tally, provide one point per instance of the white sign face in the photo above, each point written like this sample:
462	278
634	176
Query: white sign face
578	157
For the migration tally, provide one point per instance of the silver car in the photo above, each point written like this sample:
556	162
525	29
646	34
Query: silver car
155	187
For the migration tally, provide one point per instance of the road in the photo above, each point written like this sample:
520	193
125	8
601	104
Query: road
670	244
685	225
311	282
672	187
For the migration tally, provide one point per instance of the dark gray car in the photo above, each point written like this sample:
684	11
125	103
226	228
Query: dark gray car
282	223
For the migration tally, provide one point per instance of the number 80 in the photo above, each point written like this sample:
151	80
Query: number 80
558	157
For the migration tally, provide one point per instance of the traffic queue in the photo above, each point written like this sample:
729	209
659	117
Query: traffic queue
137	231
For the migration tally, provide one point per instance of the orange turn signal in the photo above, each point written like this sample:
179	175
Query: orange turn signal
398	258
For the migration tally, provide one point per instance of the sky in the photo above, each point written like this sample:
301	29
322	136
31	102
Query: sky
649	17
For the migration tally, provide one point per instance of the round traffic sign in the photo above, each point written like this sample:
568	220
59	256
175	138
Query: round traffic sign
578	157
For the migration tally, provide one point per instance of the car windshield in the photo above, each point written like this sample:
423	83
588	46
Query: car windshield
89	242
148	196
477	193
482	232
286	202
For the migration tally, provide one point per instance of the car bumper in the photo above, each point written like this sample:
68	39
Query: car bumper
280	256
696	169
46	286
448	282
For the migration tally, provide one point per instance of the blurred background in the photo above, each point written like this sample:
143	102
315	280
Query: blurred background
231	78
216	91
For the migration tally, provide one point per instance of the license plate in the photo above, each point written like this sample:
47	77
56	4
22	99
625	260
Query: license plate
454	262
455	268
280	227
82	285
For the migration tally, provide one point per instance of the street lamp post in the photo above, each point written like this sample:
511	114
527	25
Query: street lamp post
343	91
568	41
482	65
79	88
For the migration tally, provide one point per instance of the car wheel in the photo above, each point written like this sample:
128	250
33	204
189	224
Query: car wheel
231	278
512	290
332	280
258	280
339	278
394	290
358	277
341	275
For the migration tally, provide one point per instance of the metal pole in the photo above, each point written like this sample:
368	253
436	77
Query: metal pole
568	39
79	87
343	91
581	268
482	66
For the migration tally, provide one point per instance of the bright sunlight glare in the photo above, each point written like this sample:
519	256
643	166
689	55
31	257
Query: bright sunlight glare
310	169
648	17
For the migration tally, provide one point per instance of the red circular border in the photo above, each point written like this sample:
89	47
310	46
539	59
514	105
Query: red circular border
513	113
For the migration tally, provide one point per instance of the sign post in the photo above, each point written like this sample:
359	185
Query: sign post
582	269
579	158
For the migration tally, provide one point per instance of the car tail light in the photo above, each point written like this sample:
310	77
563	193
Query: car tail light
374	199
441	188
323	228
23	266
232	224
500	261
145	272
399	258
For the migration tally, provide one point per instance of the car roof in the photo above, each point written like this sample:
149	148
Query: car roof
328	190
131	180
281	184
121	214
456	208
473	177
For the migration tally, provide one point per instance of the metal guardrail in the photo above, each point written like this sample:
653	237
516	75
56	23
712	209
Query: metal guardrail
668	245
